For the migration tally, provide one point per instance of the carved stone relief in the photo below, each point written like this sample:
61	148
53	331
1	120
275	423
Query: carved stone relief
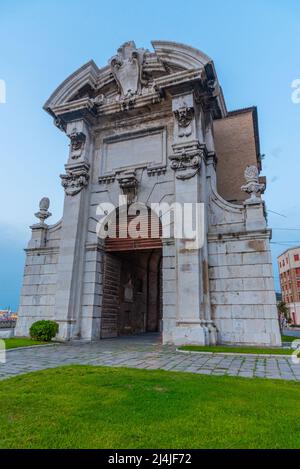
186	160
127	68
75	179
78	140
184	116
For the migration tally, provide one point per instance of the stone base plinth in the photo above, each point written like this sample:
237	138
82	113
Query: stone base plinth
189	334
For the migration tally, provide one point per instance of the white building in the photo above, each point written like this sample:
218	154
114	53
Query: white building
154	126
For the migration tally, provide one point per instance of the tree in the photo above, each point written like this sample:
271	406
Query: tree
283	314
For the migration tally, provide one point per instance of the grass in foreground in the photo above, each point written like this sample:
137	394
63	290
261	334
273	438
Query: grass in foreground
15	342
235	349
289	338
101	407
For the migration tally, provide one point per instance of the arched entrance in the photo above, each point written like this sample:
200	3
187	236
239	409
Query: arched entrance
132	281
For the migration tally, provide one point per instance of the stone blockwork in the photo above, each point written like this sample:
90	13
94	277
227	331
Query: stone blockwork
242	289
92	293
243	300
152	126
40	277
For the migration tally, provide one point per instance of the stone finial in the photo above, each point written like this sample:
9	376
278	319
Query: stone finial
126	67
43	213
253	186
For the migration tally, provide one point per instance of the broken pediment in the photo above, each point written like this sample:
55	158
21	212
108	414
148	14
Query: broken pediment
133	77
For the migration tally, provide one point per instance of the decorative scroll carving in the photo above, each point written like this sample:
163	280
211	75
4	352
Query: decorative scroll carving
253	186
77	144
127	68
186	160
75	179
184	115
43	213
128	183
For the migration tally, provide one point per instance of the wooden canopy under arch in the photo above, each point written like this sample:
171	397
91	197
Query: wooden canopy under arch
151	224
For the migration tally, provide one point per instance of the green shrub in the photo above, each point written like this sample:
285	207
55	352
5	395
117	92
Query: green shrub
43	330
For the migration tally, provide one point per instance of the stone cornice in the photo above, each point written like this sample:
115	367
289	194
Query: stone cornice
80	109
239	235
45	250
177	82
91	108
94	247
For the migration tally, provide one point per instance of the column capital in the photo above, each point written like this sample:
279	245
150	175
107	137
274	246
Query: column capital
76	178
187	159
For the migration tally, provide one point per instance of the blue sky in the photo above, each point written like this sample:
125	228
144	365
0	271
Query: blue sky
254	47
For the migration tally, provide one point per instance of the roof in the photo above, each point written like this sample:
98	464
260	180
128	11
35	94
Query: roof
287	250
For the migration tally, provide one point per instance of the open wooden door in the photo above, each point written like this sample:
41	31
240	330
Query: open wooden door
110	301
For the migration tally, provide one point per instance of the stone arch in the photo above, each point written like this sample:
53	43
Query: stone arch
132	281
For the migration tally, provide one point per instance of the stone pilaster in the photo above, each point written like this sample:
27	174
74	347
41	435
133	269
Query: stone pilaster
193	319
70	267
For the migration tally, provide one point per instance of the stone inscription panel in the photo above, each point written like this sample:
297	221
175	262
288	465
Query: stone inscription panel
142	149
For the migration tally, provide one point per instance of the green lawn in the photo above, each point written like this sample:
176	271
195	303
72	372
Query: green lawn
15	342
288	338
102	407
235	349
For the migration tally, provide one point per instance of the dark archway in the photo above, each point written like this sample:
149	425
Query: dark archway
132	281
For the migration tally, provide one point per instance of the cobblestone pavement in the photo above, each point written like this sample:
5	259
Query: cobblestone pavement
146	351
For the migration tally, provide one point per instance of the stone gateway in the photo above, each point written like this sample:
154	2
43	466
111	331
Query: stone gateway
153	126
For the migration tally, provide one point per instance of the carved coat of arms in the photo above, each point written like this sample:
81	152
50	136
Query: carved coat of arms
127	69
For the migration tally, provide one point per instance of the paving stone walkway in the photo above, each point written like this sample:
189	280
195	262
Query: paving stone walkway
146	351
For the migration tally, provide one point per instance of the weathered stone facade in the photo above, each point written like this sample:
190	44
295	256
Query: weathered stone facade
144	126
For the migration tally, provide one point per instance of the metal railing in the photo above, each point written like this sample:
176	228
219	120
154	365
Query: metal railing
7	323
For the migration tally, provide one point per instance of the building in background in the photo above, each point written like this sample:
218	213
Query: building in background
289	271
7	314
